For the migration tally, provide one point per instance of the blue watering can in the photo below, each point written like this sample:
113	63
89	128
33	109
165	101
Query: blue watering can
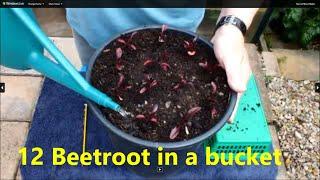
22	45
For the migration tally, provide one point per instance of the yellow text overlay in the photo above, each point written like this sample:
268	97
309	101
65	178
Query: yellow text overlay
61	157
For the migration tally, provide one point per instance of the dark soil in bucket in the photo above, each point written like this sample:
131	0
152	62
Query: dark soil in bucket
169	80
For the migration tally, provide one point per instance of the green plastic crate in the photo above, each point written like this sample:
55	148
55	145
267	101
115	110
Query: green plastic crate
249	128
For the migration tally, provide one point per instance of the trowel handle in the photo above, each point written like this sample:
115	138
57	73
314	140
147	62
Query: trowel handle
62	71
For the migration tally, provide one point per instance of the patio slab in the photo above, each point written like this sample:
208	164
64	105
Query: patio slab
13	136
68	48
53	21
271	64
65	45
298	64
15	72
20	96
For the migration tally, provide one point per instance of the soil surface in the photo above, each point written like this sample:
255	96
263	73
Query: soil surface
159	77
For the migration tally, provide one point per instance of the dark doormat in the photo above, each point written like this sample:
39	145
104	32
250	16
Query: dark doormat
58	122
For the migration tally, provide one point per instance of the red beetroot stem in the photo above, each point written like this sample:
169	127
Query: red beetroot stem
119	65
209	67
190	47
121	86
150	83
150	116
164	60
176	130
128	42
182	83
163	29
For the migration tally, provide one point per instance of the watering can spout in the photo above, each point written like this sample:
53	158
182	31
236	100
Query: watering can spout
52	70
22	44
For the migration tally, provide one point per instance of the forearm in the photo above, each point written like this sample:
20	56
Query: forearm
230	39
245	14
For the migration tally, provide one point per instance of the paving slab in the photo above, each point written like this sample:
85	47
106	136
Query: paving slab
13	136
16	72
65	45
271	64
298	64
53	21
256	66
20	96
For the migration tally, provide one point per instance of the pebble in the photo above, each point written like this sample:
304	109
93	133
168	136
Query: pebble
167	104
295	106
297	135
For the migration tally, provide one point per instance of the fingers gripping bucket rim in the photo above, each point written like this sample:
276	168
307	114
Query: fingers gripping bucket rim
150	144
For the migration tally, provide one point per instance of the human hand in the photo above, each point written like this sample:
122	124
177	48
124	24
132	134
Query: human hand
228	45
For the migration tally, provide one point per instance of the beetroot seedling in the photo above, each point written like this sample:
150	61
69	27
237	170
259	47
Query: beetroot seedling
150	116
163	29
121	84
209	67
164	61
149	83
121	87
191	113
190	46
119	64
183	82
165	66
128	42
148	62
122	41
174	132
214	112
120	81
213	87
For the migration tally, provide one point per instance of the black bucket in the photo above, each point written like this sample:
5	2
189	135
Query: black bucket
126	143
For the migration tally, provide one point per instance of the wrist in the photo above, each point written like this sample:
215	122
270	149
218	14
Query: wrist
230	31
233	21
244	14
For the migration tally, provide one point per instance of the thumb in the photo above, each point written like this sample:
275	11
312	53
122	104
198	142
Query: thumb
238	73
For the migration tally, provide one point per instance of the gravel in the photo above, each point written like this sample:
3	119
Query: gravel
295	105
